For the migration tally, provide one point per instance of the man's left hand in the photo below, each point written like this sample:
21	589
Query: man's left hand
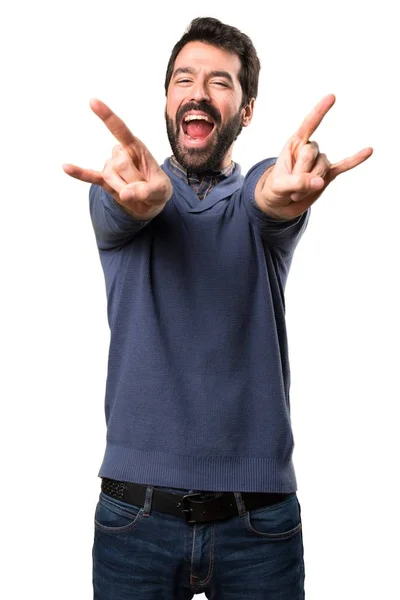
301	173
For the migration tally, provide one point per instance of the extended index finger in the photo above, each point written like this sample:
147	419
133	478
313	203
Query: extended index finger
314	118
113	123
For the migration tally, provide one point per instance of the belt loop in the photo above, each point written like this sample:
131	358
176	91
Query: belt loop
147	501
240	504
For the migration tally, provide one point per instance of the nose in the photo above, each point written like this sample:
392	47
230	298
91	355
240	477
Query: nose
199	91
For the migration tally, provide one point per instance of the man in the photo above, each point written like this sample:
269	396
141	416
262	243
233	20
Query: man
198	485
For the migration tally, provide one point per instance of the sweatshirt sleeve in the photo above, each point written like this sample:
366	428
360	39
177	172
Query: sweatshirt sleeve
113	227
281	235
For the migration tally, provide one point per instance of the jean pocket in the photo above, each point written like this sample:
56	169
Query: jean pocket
114	516
280	521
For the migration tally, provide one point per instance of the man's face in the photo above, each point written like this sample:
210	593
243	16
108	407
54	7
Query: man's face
203	111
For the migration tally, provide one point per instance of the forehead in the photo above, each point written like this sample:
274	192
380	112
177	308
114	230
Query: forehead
205	57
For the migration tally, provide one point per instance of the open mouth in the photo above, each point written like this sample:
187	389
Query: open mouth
197	127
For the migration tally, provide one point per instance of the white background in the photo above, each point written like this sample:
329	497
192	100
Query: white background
342	299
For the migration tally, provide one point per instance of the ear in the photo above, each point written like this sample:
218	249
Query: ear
247	113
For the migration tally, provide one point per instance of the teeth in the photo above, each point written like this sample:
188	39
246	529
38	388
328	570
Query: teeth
197	118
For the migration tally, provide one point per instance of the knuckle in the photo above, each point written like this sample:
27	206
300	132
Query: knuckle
121	162
308	154
275	187
297	196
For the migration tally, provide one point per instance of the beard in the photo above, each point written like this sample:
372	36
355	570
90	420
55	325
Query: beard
212	156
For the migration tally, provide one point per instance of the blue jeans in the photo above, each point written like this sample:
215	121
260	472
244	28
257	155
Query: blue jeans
140	554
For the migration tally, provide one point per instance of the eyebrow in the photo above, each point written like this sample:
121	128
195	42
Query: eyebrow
192	71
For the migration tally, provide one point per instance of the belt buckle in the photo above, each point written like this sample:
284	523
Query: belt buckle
187	498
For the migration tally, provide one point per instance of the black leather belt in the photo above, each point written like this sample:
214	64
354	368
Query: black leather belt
198	507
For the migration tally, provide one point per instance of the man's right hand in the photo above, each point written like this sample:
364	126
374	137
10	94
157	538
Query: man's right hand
132	176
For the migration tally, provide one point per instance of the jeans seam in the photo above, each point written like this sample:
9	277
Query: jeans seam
211	568
272	536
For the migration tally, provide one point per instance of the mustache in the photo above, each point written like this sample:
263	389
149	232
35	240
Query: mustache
209	110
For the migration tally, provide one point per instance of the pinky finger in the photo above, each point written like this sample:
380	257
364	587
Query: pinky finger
349	163
84	174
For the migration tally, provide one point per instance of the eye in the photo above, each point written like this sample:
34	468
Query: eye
184	81
220	83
